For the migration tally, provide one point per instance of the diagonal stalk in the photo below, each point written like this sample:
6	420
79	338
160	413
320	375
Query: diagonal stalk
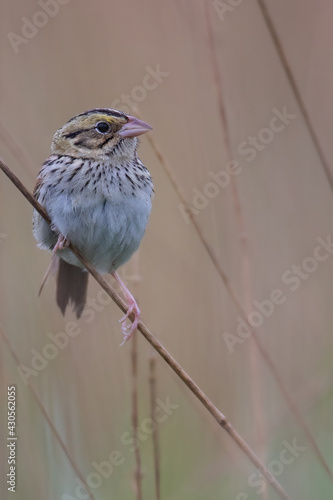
159	348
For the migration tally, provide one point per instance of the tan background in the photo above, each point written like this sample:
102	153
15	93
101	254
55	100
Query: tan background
88	55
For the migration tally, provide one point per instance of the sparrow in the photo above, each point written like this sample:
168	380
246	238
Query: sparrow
98	195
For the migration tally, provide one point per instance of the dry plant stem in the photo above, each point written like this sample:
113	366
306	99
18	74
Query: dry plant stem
297	94
264	353
135	418
156	444
324	163
135	405
47	418
255	375
200	395
269	361
16	149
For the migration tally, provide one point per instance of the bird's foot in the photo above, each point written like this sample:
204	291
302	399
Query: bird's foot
132	308
129	329
62	243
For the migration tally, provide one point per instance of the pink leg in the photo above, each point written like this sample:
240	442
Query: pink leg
132	309
61	244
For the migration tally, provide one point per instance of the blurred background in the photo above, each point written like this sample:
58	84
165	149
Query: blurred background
239	96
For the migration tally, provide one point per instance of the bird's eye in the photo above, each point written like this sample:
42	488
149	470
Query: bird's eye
103	127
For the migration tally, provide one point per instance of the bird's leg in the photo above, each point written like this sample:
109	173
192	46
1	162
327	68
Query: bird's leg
62	241
132	309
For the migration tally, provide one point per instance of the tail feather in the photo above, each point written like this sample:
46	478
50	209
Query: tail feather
72	285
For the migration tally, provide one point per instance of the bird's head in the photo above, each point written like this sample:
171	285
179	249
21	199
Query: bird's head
99	133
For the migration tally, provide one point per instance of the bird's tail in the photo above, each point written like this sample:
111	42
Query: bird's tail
72	285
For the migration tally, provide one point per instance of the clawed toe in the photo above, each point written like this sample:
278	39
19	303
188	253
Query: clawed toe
129	329
132	308
62	243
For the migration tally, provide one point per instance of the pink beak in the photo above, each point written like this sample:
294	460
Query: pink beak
133	127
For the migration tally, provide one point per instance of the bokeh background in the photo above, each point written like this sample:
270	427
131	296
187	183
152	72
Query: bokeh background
221	69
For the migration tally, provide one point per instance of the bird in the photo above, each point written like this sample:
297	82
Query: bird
98	196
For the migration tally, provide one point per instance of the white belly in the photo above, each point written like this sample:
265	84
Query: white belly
106	232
